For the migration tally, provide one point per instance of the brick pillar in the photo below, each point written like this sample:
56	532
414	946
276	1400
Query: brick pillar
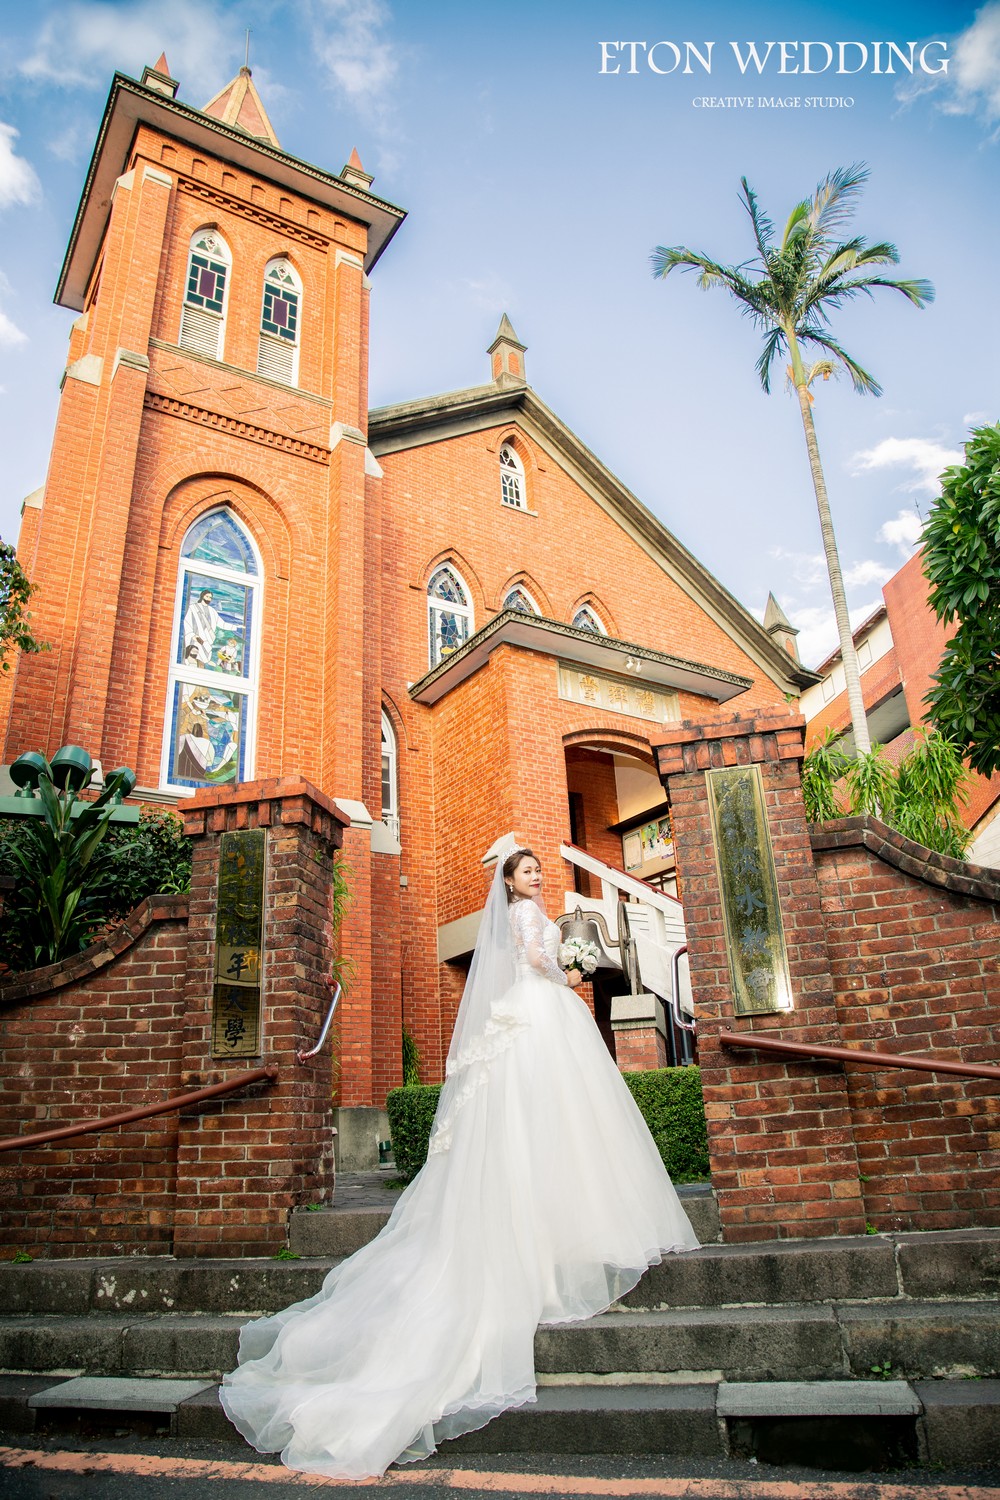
245	1162
780	1139
640	1028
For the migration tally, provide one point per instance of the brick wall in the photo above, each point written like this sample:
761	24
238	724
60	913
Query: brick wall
914	944
89	1037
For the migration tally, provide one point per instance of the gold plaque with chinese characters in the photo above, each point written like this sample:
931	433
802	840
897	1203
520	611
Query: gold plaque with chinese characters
758	962
236	1000
619	695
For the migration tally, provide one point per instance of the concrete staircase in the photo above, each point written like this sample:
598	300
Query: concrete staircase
729	1349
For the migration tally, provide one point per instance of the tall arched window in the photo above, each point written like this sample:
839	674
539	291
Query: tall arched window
211	697
449	613
203	317
586	619
519	598
390	776
512	487
278	349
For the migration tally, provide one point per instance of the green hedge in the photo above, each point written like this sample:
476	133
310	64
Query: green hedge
670	1100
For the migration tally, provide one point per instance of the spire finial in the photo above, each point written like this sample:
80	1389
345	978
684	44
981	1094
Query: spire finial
246	59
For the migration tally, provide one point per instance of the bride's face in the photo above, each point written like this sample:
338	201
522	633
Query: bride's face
527	878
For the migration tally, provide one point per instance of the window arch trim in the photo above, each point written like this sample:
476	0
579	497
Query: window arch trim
450	622
513	480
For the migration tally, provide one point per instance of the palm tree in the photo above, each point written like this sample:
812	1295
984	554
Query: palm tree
789	290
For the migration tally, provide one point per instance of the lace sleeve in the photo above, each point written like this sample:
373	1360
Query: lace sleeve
529	924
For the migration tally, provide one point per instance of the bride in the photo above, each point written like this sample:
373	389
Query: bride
543	1200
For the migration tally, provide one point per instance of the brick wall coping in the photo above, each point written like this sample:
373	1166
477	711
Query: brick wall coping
297	799
774	721
36	982
955	875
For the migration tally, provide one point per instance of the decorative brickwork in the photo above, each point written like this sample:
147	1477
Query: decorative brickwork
128	1023
784	1161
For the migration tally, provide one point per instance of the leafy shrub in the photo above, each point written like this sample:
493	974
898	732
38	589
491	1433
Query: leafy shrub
672	1106
669	1098
128	863
411	1114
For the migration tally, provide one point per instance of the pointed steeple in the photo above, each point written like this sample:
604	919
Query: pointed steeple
355	174
158	77
507	355
780	628
239	104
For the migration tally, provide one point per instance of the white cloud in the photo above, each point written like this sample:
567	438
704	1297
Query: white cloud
817	629
352	46
977	418
922	456
83	42
971	86
18	181
904	532
862	575
10	334
70	144
806	568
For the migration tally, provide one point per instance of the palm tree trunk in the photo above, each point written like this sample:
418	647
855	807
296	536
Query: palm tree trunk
855	699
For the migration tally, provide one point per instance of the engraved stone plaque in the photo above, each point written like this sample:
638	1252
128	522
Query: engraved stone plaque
758	961
236	1000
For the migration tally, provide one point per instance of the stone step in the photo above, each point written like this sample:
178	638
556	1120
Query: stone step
954	1265
792	1342
342	1229
833	1424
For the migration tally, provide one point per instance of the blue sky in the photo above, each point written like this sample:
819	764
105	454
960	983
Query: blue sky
537	186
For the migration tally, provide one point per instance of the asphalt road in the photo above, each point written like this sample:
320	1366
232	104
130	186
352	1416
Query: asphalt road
33	1467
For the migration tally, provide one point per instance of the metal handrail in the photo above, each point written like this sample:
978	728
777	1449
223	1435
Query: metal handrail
305	1056
675	995
857	1055
129	1116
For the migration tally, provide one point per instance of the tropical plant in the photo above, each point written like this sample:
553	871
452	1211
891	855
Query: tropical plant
56	905
789	291
920	797
962	561
15	591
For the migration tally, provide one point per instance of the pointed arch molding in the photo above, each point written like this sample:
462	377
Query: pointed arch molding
451	558
597	607
253	507
525	581
534	463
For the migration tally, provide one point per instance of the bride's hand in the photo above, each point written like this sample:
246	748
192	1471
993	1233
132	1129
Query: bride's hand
573	978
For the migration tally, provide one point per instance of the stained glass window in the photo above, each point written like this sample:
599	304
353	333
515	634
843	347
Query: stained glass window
203	314
212	678
277	349
585	619
519	598
449	613
512	491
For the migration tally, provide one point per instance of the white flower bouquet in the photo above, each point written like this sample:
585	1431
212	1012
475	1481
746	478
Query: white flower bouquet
578	954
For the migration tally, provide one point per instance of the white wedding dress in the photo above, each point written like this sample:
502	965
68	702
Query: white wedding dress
543	1199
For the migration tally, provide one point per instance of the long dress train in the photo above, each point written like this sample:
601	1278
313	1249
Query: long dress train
543	1199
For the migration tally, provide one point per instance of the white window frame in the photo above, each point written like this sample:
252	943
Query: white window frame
519	588
198	323
443	606
513	485
278	358
248	684
588	609
390	763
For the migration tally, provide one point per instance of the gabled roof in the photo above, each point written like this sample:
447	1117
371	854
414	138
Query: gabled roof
131	104
433	419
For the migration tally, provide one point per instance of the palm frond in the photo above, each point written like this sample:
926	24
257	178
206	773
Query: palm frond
796	226
763	229
773	345
834	201
863	382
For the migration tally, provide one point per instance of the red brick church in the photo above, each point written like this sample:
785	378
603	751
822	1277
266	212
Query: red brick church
447	614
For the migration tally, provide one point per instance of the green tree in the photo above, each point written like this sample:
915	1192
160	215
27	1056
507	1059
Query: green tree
15	591
789	291
962	561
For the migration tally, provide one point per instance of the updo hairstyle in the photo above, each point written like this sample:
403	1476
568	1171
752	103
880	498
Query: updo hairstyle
511	863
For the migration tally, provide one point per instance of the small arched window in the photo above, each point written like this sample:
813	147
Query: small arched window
281	308
519	598
212	681
390	776
449	613
512	487
203	317
586	619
